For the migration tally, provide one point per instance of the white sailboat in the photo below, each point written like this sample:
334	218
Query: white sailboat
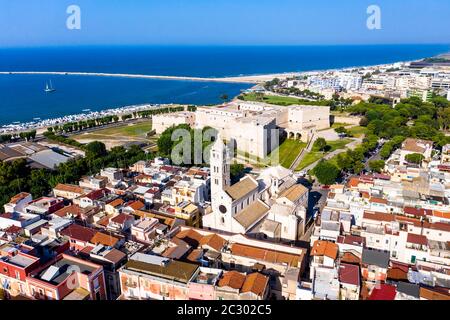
49	88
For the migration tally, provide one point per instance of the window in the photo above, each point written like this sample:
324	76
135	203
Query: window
96	283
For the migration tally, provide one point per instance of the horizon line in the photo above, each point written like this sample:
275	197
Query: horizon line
218	45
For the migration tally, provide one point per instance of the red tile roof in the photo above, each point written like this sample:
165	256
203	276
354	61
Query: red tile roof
73	209
378	216
417	239
121	218
190	236
105	239
350	258
325	248
266	255
214	241
353	182
378	200
135	205
255	283
77	232
440	226
232	279
116	203
352	240
349	273
69	188
97	194
383	292
19	197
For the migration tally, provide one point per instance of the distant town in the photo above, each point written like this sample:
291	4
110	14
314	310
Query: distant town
325	185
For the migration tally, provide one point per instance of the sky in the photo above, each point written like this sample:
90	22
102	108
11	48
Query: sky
222	22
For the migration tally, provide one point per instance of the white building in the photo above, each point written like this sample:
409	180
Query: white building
271	206
163	121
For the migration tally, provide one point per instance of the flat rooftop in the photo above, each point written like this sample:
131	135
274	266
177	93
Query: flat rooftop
59	271
20	260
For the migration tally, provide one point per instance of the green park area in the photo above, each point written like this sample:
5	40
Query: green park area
316	154
280	100
287	152
119	135
136	130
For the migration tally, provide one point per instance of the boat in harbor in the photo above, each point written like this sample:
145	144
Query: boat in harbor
49	88
86	110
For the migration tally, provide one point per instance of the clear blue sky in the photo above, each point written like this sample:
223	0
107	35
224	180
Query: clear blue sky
242	22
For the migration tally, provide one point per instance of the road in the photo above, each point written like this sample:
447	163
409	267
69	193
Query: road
375	156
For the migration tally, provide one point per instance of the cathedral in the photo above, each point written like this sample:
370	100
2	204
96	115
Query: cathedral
271	206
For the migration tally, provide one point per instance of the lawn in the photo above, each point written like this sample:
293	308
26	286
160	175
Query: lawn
309	159
138	130
287	152
357	131
339	124
316	155
338	144
281	101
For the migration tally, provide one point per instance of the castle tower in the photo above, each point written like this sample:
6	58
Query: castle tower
220	167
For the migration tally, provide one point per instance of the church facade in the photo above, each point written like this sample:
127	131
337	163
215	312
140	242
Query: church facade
270	206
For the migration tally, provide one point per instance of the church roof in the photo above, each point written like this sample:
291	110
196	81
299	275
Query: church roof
252	214
276	172
294	192
242	188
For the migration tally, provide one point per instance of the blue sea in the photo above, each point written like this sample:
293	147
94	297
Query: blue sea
22	97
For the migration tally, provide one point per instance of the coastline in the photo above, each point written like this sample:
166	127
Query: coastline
42	125
256	80
134	76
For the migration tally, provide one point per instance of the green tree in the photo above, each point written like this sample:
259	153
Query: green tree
376	165
95	149
444	118
326	172
320	144
416	158
237	171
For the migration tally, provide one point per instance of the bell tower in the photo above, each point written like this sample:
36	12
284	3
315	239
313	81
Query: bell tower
219	166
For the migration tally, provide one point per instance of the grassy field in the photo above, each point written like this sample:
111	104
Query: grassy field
358	131
138	130
316	155
119	135
287	152
339	124
280	100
